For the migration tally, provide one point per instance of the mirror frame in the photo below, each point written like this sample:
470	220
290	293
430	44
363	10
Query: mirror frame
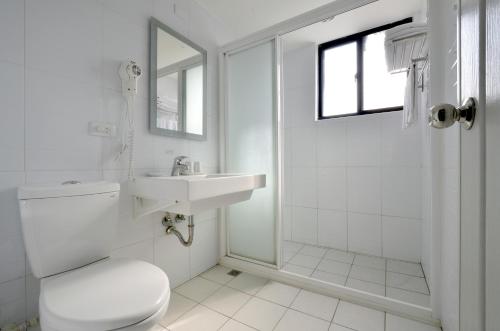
153	113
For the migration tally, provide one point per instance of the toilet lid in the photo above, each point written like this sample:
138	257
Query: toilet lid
105	295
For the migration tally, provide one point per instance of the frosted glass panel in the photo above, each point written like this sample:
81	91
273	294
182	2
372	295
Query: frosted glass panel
250	147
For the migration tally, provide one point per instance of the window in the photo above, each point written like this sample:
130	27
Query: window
353	76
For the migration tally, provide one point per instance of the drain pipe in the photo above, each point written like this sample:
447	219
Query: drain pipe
171	229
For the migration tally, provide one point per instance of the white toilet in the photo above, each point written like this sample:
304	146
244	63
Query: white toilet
68	233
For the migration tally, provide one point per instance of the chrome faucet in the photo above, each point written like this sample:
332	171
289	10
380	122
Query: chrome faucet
180	167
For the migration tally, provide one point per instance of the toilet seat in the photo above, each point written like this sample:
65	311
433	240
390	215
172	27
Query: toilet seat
107	295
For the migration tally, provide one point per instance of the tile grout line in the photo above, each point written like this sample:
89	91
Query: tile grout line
288	308
385	285
425	279
349	273
246	302
255	295
385	280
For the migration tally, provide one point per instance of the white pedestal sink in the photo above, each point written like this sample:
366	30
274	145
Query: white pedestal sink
189	195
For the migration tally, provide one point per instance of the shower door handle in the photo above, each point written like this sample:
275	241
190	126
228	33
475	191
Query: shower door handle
445	115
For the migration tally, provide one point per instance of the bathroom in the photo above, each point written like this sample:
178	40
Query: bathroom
311	217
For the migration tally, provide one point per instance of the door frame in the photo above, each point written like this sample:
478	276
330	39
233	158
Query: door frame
492	231
472	56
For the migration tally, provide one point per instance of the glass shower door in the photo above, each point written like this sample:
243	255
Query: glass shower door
251	147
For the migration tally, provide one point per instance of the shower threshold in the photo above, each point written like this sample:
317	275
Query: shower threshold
395	279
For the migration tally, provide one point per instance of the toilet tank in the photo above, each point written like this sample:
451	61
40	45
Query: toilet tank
68	226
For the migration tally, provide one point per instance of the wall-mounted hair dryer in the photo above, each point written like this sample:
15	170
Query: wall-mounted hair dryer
129	73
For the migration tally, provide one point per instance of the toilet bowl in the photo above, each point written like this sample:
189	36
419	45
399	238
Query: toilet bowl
68	233
112	294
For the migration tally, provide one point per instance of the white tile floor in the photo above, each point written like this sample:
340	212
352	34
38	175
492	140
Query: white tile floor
216	301
399	280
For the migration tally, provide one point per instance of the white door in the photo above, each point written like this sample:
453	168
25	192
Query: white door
462	232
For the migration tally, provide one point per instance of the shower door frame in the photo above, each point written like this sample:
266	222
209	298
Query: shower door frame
277	124
335	8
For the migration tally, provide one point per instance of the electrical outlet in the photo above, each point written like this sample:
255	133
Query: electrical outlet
102	129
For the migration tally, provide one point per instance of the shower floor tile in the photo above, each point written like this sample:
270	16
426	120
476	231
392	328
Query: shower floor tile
400	280
307	311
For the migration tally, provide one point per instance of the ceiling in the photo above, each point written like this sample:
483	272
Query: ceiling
244	17
361	19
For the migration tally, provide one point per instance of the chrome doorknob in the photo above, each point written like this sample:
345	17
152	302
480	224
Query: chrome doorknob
445	115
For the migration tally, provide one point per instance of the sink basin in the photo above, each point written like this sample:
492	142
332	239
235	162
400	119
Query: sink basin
190	195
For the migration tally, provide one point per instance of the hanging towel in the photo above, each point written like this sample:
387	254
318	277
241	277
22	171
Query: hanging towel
410	107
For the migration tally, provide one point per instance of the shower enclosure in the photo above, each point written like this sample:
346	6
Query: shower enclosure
354	206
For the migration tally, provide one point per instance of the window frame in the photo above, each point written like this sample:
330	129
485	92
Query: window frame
357	38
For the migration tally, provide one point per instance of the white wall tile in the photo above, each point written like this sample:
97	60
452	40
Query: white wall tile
12	255
64	38
304	147
332	228
12	124
164	11
287	223
300	105
140	251
57	114
204	253
299	75
304	187
401	238
32	295
73	52
123	40
288	146
13	312
363	140
364	190
10	222
305	225
401	192
332	143
12	290
138	12
12	31
365	233
365	164
332	188
400	147
172	258
288	185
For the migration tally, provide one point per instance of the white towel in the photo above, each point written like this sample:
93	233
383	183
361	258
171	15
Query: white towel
410	107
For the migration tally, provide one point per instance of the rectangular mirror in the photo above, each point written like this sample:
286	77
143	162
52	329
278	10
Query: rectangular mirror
178	81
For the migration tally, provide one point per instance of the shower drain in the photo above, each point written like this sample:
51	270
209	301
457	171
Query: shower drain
234	273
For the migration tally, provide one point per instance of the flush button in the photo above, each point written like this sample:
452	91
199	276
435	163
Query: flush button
71	182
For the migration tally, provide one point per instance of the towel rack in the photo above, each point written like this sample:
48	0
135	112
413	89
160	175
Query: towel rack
420	80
